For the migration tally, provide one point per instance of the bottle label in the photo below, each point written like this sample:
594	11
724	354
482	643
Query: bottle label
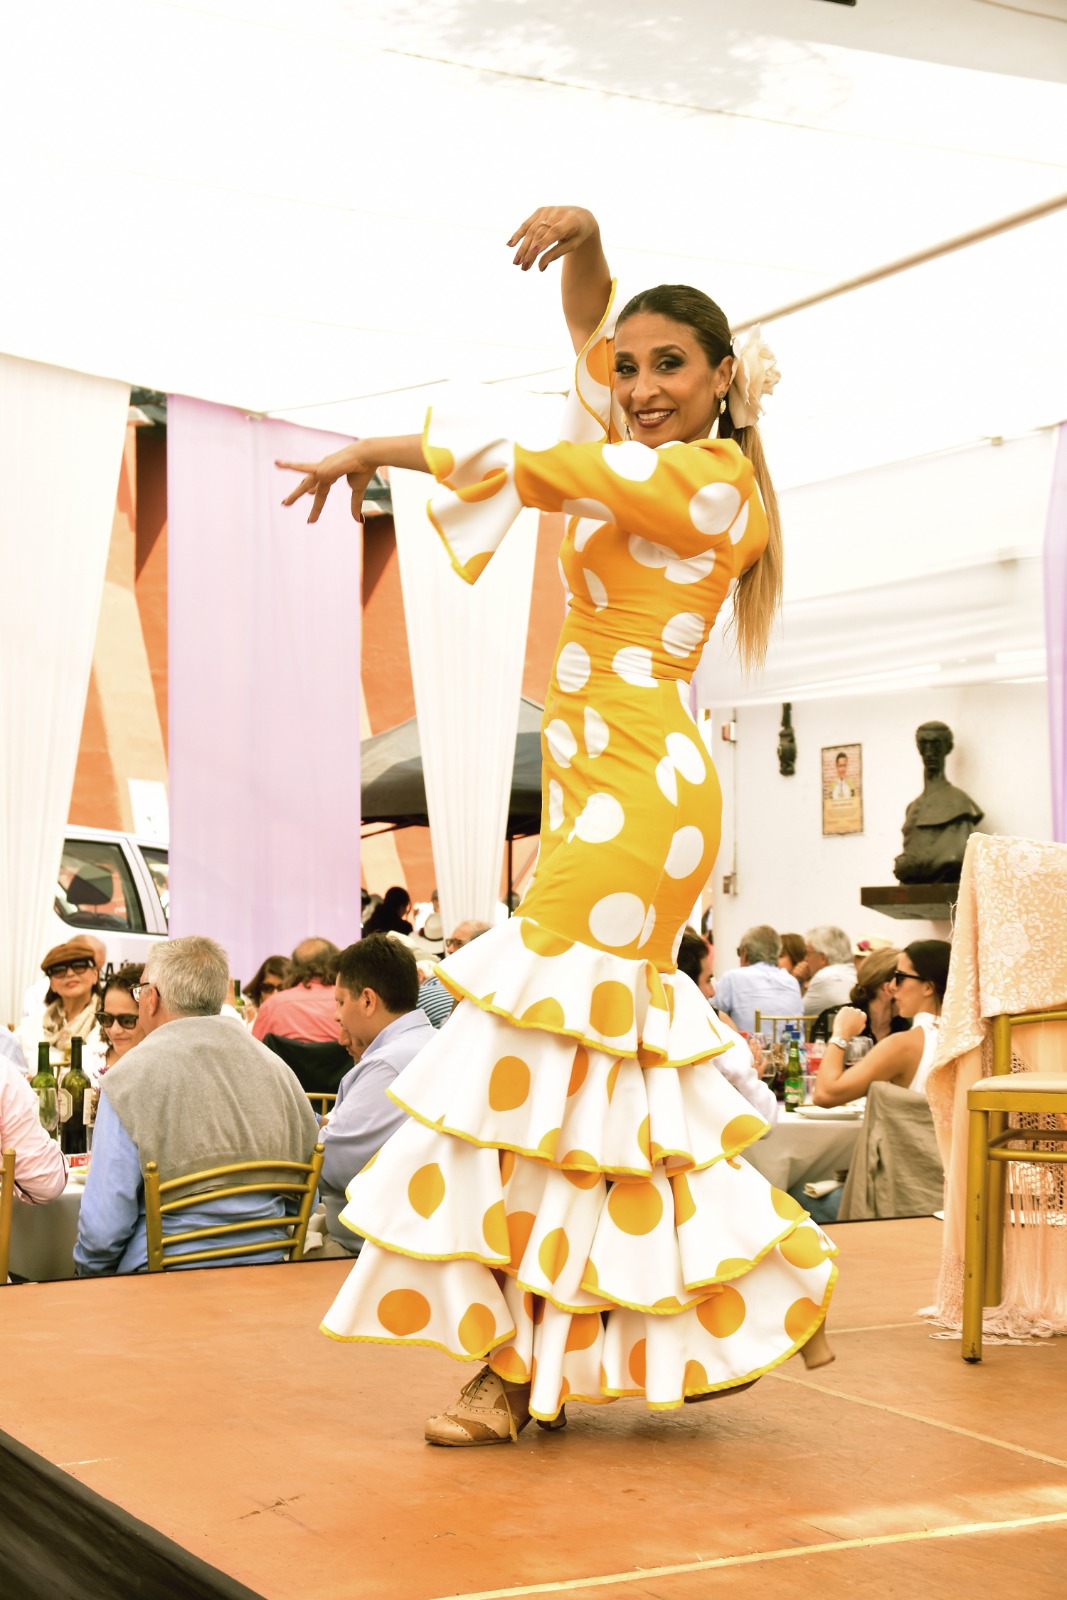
66	1105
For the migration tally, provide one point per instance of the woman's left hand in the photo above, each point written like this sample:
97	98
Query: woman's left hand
320	477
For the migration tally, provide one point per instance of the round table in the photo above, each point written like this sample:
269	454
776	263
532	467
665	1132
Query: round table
804	1150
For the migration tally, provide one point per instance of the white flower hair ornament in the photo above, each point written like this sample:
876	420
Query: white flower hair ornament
754	376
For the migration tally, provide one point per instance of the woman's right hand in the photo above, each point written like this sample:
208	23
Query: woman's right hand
551	232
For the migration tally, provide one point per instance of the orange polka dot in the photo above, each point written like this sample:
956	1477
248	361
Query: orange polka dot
507	1165
799	1318
637	1363
495	1229
553	1254
611	1009
509	1364
596	361
655	1151
635	1208
520	1227
542	941
403	1311
603	1377
368	1164
583	1332
803	1248
474	493
590	1280
642	1139
534	1306
581	1177
684	1204
613	1075
695	1380
476	1329
476	565
723	1313
733	1267
787	1208
741	1131
509	1083
544	1014
547	1146
578	1070
564	1389
426	1190
669	1303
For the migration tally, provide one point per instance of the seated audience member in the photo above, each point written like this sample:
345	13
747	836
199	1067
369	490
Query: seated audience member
271	976
828	961
391	914
304	1009
902	1058
874	992
694	959
40	1165
434	998
791	958
431	931
377	1007
198	1092
11	1050
71	1000
118	1017
758	984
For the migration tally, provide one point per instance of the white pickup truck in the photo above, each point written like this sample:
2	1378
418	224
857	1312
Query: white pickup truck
113	885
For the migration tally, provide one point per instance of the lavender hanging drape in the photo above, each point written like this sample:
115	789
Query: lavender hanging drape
264	690
1056	633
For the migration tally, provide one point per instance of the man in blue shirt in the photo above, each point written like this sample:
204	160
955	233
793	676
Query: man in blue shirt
758	984
377	994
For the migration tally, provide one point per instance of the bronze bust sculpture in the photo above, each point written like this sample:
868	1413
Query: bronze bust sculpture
939	822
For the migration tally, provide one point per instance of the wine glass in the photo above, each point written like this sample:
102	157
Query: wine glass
857	1050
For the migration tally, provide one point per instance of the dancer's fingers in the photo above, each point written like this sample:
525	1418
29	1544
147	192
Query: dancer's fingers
523	227
304	487
562	248
321	492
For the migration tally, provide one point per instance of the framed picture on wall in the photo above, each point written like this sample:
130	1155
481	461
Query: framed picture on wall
842	788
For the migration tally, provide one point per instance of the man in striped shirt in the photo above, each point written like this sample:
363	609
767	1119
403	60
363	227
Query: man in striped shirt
434	998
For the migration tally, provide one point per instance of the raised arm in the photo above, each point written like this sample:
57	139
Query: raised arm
569	232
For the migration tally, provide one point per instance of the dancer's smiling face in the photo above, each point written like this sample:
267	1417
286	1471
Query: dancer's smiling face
664	380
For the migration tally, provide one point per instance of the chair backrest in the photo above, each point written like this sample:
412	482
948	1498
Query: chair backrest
7	1207
1002	1026
823	1025
896	1168
765	1016
319	1067
289	1179
321	1104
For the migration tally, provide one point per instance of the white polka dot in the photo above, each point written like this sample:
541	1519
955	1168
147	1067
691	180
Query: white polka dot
596	732
632	461
602	819
573	667
675	947
587	508
617	919
561	742
713	508
649	554
683	634
739	524
667	779
563	579
686	757
583	530
555	804
692	570
633	663
597	592
683	693
684	855
646	931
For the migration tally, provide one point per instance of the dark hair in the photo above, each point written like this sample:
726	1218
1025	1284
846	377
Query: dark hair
277	967
319	965
692	954
384	965
794	947
930	958
123	978
758	593
842	755
388	914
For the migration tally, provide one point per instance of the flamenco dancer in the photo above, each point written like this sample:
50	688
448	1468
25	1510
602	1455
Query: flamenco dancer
565	1203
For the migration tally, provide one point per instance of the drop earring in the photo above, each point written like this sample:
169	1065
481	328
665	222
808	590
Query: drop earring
722	404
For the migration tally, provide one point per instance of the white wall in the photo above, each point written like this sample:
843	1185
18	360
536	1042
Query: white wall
790	875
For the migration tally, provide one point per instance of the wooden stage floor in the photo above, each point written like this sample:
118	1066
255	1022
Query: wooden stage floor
209	1406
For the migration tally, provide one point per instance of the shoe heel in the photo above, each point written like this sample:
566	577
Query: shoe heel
817	1351
556	1423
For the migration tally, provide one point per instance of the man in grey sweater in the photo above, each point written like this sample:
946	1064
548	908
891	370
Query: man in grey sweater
197	1092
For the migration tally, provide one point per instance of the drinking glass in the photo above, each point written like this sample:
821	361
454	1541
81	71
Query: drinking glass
856	1051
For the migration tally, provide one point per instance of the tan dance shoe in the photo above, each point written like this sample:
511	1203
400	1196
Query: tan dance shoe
489	1411
817	1352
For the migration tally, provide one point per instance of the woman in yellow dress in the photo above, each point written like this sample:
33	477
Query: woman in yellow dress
566	1202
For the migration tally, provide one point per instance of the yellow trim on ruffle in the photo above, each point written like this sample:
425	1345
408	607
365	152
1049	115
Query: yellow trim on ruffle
441	463
429	1344
754	1261
604	1046
580	357
494	1263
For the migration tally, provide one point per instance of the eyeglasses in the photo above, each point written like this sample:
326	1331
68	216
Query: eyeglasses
61	968
127	1020
454	944
900	977
138	989
271	988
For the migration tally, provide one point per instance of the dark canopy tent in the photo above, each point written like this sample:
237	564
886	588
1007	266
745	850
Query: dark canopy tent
394	792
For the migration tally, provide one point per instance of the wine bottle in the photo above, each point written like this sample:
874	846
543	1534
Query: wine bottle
43	1083
238	999
794	1076
72	1095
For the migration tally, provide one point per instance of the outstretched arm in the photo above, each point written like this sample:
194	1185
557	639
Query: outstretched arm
568	231
357	463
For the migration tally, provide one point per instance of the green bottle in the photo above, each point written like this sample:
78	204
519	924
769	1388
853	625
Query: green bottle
794	1076
75	1086
43	1083
238	999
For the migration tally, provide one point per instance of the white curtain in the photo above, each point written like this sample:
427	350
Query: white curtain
468	646
61	439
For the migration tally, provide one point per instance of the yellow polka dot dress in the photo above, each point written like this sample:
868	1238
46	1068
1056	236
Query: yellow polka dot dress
566	1200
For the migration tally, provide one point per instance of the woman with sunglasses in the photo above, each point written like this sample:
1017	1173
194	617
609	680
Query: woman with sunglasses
69	1005
272	976
918	983
118	1018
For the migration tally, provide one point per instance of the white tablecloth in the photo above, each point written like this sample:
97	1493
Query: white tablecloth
42	1237
803	1150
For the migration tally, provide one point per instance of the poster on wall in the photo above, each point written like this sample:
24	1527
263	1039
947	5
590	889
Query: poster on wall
842	788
